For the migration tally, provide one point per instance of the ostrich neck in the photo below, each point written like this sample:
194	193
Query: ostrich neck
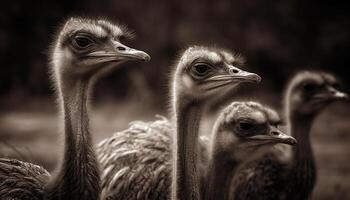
220	174
303	159
300	128
78	177
185	178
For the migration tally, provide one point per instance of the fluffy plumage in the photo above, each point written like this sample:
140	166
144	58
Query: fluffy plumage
22	180
137	161
147	145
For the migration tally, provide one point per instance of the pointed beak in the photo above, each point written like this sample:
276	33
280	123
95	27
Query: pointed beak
134	54
244	76
120	52
338	95
275	136
284	138
331	94
231	77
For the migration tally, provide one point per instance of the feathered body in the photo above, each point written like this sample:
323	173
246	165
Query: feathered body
263	179
22	180
147	145
136	162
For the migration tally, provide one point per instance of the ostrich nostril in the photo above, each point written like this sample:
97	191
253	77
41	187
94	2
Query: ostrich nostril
275	133
234	71
120	48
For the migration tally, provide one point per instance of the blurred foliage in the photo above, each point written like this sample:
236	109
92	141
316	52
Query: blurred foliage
277	37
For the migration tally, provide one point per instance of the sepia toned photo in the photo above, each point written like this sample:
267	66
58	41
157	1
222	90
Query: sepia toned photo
174	100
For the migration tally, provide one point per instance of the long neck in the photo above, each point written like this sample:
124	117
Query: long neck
220	173
185	177
78	177
302	155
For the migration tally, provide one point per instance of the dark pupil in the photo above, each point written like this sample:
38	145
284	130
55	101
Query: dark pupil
82	41
201	69
310	87
245	126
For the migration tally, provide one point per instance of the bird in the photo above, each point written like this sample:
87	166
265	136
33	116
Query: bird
243	131
84	50
157	159
290	173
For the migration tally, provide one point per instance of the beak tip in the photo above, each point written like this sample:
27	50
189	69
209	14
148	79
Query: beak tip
346	96
294	142
254	78
146	58
341	96
291	141
258	79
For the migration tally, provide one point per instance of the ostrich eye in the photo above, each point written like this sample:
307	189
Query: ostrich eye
245	126
82	41
201	69
310	87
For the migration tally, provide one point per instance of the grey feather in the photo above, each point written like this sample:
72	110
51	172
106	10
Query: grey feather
136	162
22	180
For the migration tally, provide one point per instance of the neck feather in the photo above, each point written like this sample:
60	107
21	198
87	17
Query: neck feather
220	173
78	177
303	159
300	127
185	177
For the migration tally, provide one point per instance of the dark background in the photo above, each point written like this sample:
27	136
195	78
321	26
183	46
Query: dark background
278	38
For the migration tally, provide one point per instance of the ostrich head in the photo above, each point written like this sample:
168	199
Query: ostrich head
247	129
202	72
309	92
87	46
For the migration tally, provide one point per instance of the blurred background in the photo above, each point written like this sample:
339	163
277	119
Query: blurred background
278	38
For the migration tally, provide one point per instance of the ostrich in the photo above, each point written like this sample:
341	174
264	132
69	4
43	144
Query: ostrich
243	131
137	163
84	49
285	173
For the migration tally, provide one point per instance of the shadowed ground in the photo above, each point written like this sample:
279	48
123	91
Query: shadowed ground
31	132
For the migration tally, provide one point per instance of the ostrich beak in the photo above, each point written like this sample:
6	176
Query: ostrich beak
331	94
244	76
275	136
120	52
336	94
233	79
128	53
236	77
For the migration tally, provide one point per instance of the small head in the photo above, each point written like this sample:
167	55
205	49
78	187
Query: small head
247	129
88	45
203	72
309	92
